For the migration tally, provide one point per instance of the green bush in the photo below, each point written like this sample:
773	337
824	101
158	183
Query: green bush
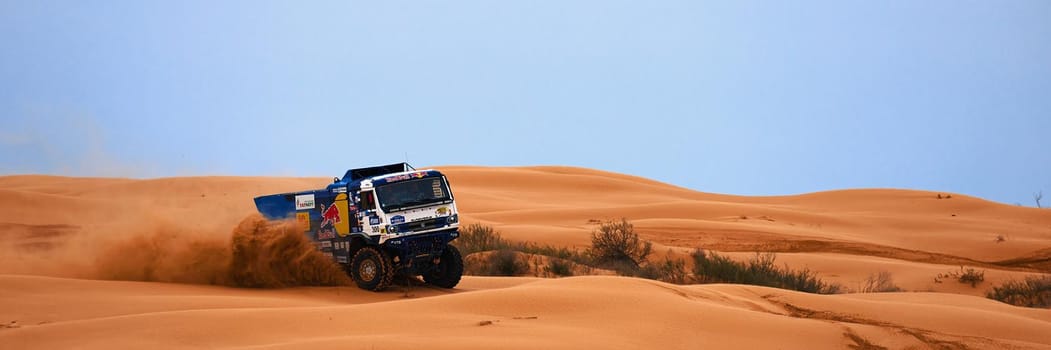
1034	291
760	270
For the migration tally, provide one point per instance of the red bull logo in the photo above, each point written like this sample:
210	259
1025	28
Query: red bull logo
330	215
416	175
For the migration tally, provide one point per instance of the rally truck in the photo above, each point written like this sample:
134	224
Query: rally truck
379	221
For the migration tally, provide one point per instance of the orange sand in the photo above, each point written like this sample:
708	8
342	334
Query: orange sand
54	231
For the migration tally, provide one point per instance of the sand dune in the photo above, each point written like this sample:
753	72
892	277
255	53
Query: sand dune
54	231
570	313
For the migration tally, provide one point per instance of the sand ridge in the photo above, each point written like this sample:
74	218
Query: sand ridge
54	232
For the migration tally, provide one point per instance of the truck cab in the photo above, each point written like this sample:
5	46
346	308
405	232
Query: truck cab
378	221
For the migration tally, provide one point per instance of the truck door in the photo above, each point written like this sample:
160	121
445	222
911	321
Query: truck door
369	218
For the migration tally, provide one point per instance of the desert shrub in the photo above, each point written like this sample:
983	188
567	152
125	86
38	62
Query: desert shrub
881	282
806	281
972	276
671	271
713	268
759	270
616	245
964	275
479	238
505	262
1034	291
559	267
551	251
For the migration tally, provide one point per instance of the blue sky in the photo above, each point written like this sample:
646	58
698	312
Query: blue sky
740	97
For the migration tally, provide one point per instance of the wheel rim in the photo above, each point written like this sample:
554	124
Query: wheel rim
367	270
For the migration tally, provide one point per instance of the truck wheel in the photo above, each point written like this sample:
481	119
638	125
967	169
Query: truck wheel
449	270
371	269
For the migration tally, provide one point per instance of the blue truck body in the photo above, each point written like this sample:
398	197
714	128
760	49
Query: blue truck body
406	217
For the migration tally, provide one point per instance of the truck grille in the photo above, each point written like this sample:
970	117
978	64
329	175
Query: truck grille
419	225
426	246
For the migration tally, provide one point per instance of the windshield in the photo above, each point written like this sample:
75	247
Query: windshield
410	193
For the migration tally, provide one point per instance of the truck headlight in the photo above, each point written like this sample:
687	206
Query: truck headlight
454	218
392	229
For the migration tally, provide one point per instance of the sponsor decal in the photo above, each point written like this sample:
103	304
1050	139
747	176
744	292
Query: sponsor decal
422	218
328	254
326	233
443	211
326	244
341	259
416	175
305	201
396	178
330	215
303	219
397	219
374	220
342	222
339	190
355	229
436	187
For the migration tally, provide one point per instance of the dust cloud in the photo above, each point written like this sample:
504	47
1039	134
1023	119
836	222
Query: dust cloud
257	253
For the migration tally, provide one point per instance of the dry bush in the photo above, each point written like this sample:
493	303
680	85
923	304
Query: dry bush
881	282
760	270
670	271
504	262
615	244
558	267
964	275
1034	291
479	238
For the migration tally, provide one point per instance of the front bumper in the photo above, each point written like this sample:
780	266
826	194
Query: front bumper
420	246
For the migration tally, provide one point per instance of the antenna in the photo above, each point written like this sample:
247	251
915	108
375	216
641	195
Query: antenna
407	162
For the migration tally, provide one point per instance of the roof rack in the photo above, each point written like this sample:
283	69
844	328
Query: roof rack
364	173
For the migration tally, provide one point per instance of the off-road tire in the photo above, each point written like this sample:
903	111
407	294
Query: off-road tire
449	270
371	269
